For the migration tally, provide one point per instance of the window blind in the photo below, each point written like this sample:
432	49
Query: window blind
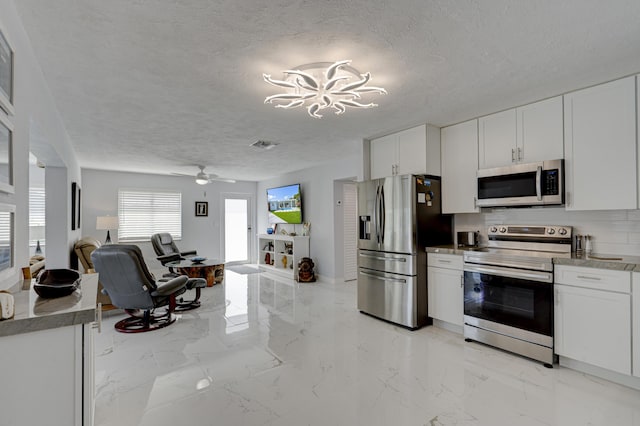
143	213
37	218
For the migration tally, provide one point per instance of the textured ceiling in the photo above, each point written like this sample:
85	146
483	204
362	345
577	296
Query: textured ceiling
158	85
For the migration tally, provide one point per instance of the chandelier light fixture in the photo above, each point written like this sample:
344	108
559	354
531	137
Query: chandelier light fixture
322	85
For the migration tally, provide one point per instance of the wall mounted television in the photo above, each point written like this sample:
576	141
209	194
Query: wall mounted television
285	204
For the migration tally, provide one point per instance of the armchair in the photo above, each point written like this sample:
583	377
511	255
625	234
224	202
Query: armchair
83	248
132	287
167	251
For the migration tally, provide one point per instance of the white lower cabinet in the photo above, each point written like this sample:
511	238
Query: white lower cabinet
593	323
48	377
635	325
445	290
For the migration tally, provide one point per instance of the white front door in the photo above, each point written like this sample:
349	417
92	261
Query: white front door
237	235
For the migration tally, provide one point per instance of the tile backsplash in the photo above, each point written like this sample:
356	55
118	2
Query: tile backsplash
613	231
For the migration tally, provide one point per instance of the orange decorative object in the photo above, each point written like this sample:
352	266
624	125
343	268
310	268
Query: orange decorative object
284	262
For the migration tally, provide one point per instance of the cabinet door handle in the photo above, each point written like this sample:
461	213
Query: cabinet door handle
461	281
98	323
519	154
513	155
444	261
586	277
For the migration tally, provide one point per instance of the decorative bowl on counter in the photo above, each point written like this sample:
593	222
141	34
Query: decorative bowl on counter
52	283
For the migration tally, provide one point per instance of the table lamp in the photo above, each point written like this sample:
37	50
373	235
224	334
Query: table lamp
37	233
106	223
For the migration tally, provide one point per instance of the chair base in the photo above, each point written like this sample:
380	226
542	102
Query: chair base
143	321
187	305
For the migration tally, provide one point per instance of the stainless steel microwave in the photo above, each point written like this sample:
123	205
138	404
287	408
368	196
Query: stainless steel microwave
531	184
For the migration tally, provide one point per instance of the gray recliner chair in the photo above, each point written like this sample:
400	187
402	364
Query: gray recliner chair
131	287
167	251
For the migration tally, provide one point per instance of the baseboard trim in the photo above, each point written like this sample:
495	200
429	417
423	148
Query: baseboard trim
621	379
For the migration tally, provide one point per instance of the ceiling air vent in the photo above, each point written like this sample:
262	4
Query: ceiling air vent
264	144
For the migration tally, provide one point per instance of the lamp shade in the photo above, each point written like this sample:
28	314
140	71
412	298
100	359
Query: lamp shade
107	222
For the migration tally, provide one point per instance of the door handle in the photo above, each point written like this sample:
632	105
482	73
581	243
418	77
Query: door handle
519	154
394	259
513	155
382	214
538	182
377	277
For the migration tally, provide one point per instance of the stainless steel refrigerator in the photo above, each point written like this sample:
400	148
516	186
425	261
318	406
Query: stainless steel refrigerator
399	216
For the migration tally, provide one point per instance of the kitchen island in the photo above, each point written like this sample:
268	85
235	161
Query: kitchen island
47	359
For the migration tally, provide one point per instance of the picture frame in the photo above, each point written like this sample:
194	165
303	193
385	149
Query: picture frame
202	208
6	155
75	206
7	63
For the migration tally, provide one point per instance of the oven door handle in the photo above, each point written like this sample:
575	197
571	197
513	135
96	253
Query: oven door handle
545	277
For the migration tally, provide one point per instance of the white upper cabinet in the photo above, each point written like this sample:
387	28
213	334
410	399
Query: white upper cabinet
526	134
600	147
540	134
497	143
383	156
459	167
412	151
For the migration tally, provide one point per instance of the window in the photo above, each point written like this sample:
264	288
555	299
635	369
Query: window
36	215
143	213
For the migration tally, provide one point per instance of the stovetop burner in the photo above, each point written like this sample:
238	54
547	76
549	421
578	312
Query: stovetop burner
523	246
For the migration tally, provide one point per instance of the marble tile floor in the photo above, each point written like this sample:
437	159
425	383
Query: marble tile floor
265	351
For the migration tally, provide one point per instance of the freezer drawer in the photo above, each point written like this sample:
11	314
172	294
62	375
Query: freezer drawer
396	263
389	296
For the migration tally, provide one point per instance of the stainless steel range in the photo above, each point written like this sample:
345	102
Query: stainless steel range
508	289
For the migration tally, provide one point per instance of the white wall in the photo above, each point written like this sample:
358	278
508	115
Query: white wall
35	109
319	209
204	234
614	232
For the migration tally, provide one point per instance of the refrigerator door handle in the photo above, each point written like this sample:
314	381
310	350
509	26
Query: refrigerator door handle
375	215
377	277
386	259
382	214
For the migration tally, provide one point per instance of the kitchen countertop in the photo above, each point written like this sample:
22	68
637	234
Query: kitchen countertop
34	313
447	249
596	260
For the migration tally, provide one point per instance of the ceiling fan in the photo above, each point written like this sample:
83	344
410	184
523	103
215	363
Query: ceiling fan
203	178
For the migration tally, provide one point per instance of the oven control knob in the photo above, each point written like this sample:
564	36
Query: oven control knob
503	229
551	231
562	231
493	229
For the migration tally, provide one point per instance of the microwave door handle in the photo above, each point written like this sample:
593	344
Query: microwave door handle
539	183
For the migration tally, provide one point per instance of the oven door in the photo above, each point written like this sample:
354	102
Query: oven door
516	298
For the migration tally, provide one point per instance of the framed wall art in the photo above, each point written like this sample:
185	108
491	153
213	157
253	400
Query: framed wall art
6	155
75	206
6	74
202	208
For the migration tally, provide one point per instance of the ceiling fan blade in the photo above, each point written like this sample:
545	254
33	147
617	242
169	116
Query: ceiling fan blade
181	174
222	180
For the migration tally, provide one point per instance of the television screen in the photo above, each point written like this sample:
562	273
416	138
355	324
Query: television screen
285	204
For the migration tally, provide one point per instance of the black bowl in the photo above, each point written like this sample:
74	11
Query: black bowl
52	283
